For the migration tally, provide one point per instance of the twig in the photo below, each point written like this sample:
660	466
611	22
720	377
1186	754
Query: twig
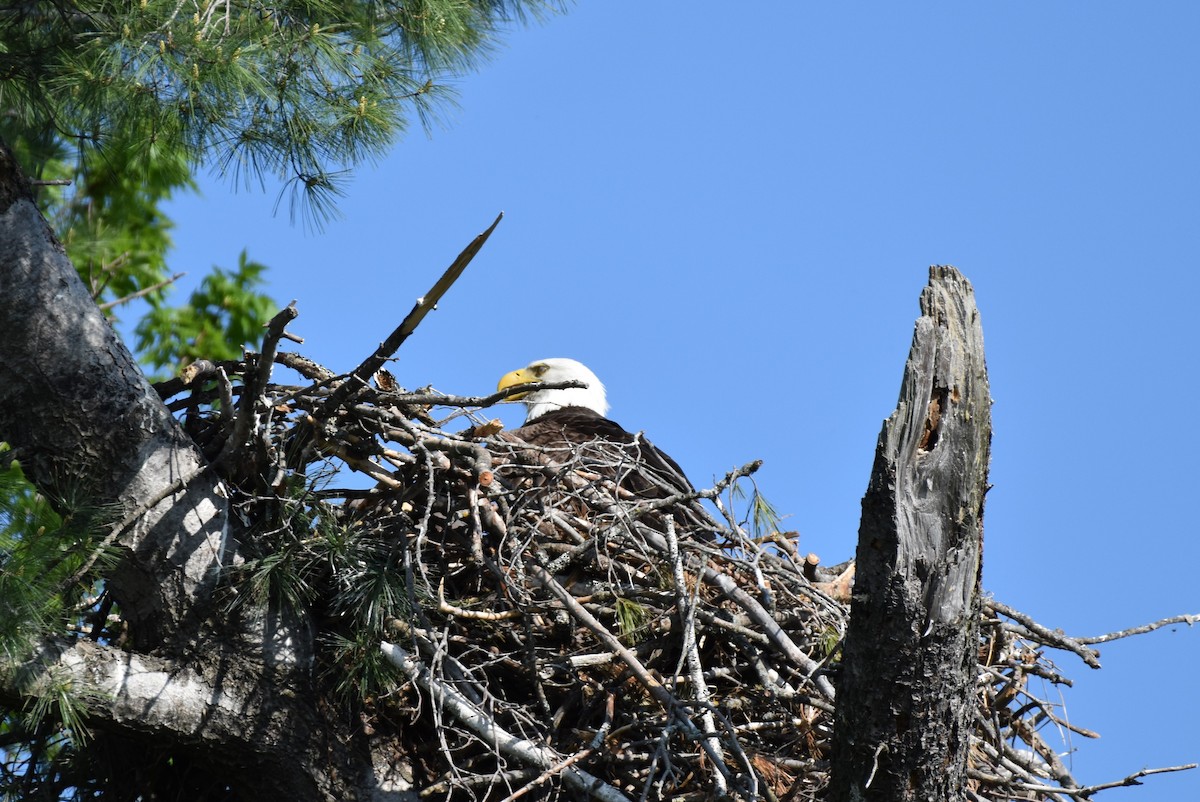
709	494
686	604
306	368
550	772
133	296
478	615
482	401
1132	779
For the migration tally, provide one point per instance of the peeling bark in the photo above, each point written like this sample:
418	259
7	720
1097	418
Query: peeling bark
905	697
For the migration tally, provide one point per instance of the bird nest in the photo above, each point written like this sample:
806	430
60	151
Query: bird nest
548	635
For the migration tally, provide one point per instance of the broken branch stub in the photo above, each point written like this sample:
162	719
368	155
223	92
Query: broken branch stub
906	694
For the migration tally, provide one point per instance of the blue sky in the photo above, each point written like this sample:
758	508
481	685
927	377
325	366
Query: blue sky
728	212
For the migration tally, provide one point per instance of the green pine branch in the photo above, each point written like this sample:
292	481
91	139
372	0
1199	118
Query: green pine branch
295	90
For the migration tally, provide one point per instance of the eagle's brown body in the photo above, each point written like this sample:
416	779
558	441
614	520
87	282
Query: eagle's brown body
639	466
598	446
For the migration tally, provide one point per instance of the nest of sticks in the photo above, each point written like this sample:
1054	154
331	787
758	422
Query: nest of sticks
553	638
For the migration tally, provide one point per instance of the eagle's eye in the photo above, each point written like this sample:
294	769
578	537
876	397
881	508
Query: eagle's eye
540	370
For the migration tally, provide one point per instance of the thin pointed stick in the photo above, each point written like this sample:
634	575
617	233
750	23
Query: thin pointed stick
104	307
358	378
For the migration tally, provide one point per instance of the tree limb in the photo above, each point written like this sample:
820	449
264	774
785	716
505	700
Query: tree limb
253	730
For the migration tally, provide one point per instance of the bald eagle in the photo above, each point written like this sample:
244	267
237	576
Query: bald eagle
571	423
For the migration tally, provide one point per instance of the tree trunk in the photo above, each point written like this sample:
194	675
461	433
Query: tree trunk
231	698
906	693
89	429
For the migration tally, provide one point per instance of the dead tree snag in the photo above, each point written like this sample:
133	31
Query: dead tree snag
906	693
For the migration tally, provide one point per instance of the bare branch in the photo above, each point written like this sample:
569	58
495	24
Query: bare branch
1125	633
1050	637
485	726
142	292
256	382
359	377
1133	779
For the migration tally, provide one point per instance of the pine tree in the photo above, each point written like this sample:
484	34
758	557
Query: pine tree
111	108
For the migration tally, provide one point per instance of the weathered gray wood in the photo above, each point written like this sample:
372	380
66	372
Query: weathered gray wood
906	691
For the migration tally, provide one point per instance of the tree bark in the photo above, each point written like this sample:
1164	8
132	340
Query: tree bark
906	693
89	429
239	731
231	697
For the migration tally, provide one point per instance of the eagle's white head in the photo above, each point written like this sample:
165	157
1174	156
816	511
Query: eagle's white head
540	402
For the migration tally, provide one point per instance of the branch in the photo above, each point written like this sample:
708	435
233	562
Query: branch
441	400
256	382
686	603
771	628
144	291
1143	629
486	728
478	615
1132	779
711	493
1050	637
360	376
144	696
155	693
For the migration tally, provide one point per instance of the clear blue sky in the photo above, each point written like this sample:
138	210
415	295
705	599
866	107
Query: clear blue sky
728	210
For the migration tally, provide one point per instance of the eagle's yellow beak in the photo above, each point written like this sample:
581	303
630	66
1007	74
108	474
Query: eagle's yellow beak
514	378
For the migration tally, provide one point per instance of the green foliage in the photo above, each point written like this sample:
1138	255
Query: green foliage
49	549
831	639
224	314
57	699
761	516
357	668
112	225
27	600
114	230
764	518
50	559
314	562
632	619
295	89
109	217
